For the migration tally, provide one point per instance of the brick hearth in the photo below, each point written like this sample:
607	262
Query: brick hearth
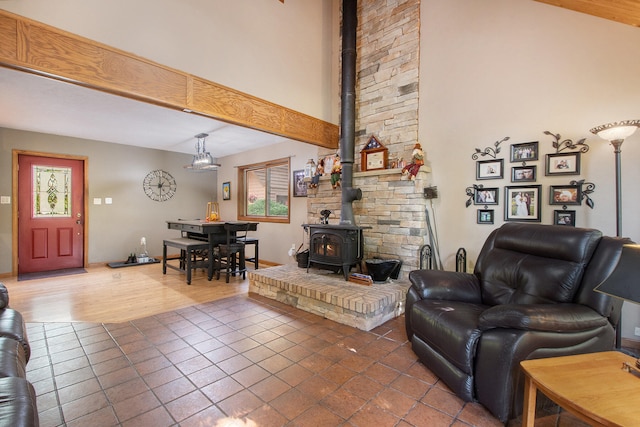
327	294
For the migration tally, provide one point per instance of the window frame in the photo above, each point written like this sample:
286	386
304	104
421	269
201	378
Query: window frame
242	191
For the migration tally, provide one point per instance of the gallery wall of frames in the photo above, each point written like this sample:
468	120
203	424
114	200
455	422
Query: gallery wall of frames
522	199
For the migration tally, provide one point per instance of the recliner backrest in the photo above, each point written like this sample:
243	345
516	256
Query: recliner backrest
524	263
602	263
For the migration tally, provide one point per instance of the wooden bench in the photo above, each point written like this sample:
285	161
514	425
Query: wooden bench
189	249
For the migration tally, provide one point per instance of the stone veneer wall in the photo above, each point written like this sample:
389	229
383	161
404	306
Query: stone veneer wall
388	46
392	205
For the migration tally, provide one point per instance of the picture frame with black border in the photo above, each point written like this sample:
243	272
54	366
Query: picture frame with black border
226	191
524	152
485	216
562	164
299	186
524	173
563	217
490	169
565	195
522	203
486	196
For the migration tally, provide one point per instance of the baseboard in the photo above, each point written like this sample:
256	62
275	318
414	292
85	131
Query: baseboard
268	263
629	343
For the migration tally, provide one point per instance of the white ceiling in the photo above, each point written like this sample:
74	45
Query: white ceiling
39	104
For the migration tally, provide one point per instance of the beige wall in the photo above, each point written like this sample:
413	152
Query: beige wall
516	68
275	239
115	171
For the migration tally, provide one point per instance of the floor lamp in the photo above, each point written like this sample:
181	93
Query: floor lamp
616	133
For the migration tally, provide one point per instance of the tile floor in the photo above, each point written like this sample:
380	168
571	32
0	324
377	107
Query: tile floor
243	361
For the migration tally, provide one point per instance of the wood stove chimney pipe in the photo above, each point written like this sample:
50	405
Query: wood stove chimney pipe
348	110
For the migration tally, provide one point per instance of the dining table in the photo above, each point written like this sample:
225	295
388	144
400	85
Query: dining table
213	232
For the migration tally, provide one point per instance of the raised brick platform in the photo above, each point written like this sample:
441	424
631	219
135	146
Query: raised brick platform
329	295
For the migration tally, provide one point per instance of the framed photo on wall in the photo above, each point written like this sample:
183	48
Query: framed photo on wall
526	152
522	203
563	164
562	217
485	196
485	216
489	169
523	174
565	195
299	186
226	191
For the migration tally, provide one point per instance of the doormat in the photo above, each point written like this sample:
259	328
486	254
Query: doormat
132	264
52	273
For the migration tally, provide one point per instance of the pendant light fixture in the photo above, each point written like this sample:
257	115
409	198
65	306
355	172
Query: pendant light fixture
202	160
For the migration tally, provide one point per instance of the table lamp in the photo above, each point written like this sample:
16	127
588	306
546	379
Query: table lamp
624	281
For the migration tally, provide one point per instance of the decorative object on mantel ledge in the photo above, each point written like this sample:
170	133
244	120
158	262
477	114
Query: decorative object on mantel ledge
374	155
567	144
417	161
489	151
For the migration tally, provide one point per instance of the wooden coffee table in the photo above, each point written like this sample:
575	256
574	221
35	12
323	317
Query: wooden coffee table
591	386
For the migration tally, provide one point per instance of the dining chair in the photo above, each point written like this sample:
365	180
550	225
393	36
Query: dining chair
230	255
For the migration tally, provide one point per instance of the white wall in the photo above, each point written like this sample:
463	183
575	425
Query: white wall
516	68
265	48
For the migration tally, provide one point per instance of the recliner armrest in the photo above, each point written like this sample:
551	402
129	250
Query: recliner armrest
542	317
446	285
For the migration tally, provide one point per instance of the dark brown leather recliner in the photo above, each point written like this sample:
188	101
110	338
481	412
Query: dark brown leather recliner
530	296
17	396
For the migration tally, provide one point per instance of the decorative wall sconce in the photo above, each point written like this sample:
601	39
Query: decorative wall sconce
489	151
567	144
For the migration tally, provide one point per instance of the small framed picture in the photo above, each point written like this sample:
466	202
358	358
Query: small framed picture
489	169
226	191
485	196
565	195
563	164
564	218
522	203
526	152
485	216
523	173
299	186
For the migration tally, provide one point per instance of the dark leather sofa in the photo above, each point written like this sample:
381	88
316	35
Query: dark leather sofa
530	296
17	396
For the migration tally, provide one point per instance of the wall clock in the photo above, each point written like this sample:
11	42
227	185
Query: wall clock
159	185
374	155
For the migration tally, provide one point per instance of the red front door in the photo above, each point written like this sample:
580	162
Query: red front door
50	213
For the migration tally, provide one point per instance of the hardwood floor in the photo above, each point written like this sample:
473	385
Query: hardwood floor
108	295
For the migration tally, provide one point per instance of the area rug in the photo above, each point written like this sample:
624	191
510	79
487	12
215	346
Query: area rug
53	273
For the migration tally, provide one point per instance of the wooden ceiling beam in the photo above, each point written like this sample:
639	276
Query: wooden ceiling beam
623	11
38	48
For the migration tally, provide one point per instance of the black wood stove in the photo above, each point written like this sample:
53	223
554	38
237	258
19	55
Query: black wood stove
336	246
341	246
